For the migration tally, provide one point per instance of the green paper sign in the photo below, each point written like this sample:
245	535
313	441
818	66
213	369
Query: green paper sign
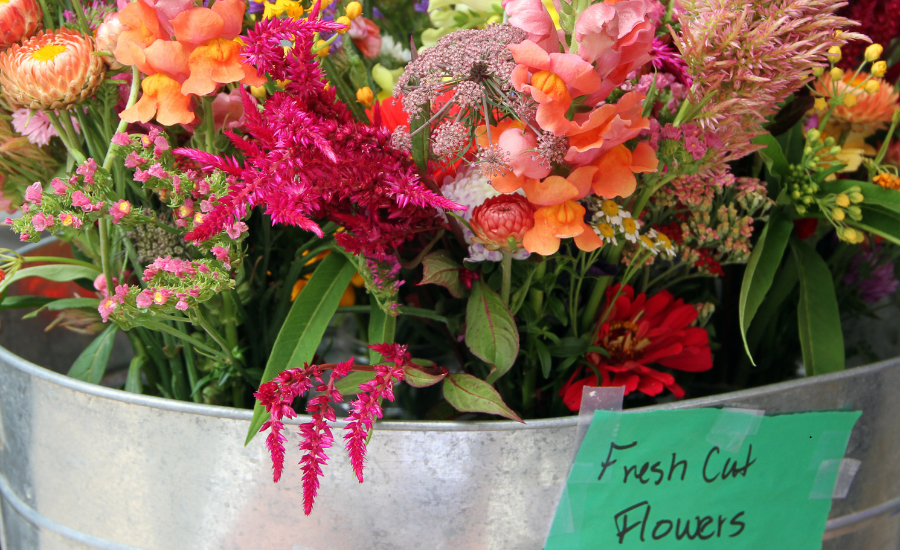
702	478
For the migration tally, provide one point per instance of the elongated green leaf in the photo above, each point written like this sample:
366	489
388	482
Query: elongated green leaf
419	379
133	382
66	303
421	142
772	155
306	323
882	222
24	302
349	385
381	330
570	347
470	394
491	330
821	338
761	268
58	273
875	195
544	357
91	364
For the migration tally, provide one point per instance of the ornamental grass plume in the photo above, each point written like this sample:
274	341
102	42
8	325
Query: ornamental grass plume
18	19
308	159
52	70
747	57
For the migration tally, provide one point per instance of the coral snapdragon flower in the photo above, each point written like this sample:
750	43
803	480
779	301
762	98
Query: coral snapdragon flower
639	331
51	70
591	134
560	221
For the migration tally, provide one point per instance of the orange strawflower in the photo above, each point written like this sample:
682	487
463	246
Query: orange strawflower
18	19
870	112
51	70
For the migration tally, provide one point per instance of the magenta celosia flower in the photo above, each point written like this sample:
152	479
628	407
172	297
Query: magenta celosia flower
308	159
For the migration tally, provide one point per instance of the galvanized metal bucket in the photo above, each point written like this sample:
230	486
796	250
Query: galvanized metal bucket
84	466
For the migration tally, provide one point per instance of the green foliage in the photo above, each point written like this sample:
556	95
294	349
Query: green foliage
470	394
491	332
91	365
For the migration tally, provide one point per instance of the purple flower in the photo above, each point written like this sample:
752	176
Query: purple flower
874	276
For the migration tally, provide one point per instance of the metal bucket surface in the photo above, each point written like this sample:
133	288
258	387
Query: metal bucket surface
84	466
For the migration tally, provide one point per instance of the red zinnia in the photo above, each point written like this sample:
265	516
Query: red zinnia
639	331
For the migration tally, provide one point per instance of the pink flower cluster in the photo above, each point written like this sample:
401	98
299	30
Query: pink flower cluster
316	436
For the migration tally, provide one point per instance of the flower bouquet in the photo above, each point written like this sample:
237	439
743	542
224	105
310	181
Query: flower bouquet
500	204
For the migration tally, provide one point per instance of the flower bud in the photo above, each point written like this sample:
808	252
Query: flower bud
842	200
834	54
837	215
836	150
107	37
850	101
856	197
820	104
322	49
872	86
365	96
500	218
847	234
854	212
818	71
879	68
353	10
836	73
343	20
873	52
813	135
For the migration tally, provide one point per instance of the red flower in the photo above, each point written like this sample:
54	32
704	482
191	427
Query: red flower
805	227
639	331
502	217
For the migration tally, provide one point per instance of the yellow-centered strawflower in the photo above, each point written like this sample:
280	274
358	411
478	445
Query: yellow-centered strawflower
50	71
18	19
873	52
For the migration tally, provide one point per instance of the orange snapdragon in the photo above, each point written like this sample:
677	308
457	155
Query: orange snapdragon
203	55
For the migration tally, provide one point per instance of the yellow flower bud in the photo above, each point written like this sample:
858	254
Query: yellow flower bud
259	92
818	71
322	48
873	52
345	21
842	200
365	96
848	234
353	10
856	197
837	215
836	74
849	101
834	54
879	68
872	86
820	104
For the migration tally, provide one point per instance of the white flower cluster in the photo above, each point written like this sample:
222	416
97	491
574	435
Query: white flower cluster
611	222
392	48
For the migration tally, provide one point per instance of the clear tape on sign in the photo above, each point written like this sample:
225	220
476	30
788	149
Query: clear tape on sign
733	426
845	468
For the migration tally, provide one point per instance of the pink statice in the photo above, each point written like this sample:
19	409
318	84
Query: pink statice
121	139
34	193
221	254
36	126
119	210
82	201
161	296
59	186
747	58
40	221
70	220
87	169
307	158
133	160
107	306
144	299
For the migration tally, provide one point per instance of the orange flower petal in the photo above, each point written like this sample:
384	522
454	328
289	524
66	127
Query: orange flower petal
539	241
508	183
561	220
588	241
252	78
162	96
614	177
216	62
553	190
167	56
198	25
232	13
643	159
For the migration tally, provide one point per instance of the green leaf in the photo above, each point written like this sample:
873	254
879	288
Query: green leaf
761	268
421	142
421	379
491	330
133	381
349	385
24	302
306	323
91	364
439	268
772	155
65	303
884	223
570	347
544	357
469	394
875	195
58	272
821	338
518	298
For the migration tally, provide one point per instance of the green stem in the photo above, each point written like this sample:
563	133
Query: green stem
48	23
82	20
506	266
230	321
74	152
104	253
214	334
887	138
593	303
66	121
537	296
210	131
123	124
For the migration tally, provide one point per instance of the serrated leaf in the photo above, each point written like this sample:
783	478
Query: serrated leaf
439	268
90	366
821	337
760	272
467	393
420	379
305	324
491	333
